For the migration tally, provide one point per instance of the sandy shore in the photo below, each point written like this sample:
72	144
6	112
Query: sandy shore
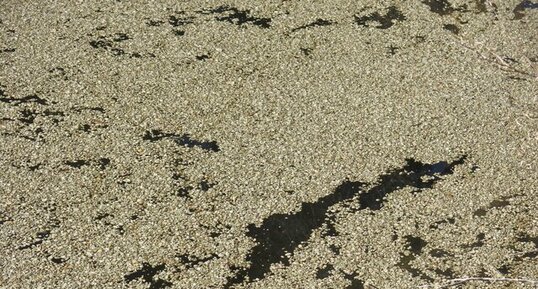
268	144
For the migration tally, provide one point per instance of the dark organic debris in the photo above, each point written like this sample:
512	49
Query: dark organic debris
184	192
147	273
103	163
28	116
414	245
318	22
154	22
280	234
41	236
452	28
179	21
324	272
526	238
478	243
189	261
97	109
439	253
27	99
107	44
355	283
441	7
183	140
101	43
446	221
7	50
58	260
385	21
393	49
121	37
238	17
306	51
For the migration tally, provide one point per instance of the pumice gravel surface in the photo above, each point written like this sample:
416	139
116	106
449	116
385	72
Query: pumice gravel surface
269	144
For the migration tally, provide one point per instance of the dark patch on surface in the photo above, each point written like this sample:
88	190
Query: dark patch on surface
446	221
85	127
318	22
335	249
58	72
7	50
355	283
518	10
480	212
4	220
103	163
478	243
325	271
184	192
41	236
96	108
154	22
189	261
35	167
119	37
280	234
531	255
448	273
385	21
439	253
58	260
117	51
392	49
306	51
452	28
178	32
238	17
526	238
177	176
441	7
411	175
78	163
28	116
147	273
27	99
106	44
179	21
481	6
504	269
100	43
102	216
202	57
499	203
205	185
330	228
414	245
183	140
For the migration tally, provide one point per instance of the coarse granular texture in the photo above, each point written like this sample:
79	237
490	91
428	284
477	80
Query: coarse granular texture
269	144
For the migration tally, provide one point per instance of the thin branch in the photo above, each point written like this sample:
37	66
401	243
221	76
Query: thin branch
494	58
